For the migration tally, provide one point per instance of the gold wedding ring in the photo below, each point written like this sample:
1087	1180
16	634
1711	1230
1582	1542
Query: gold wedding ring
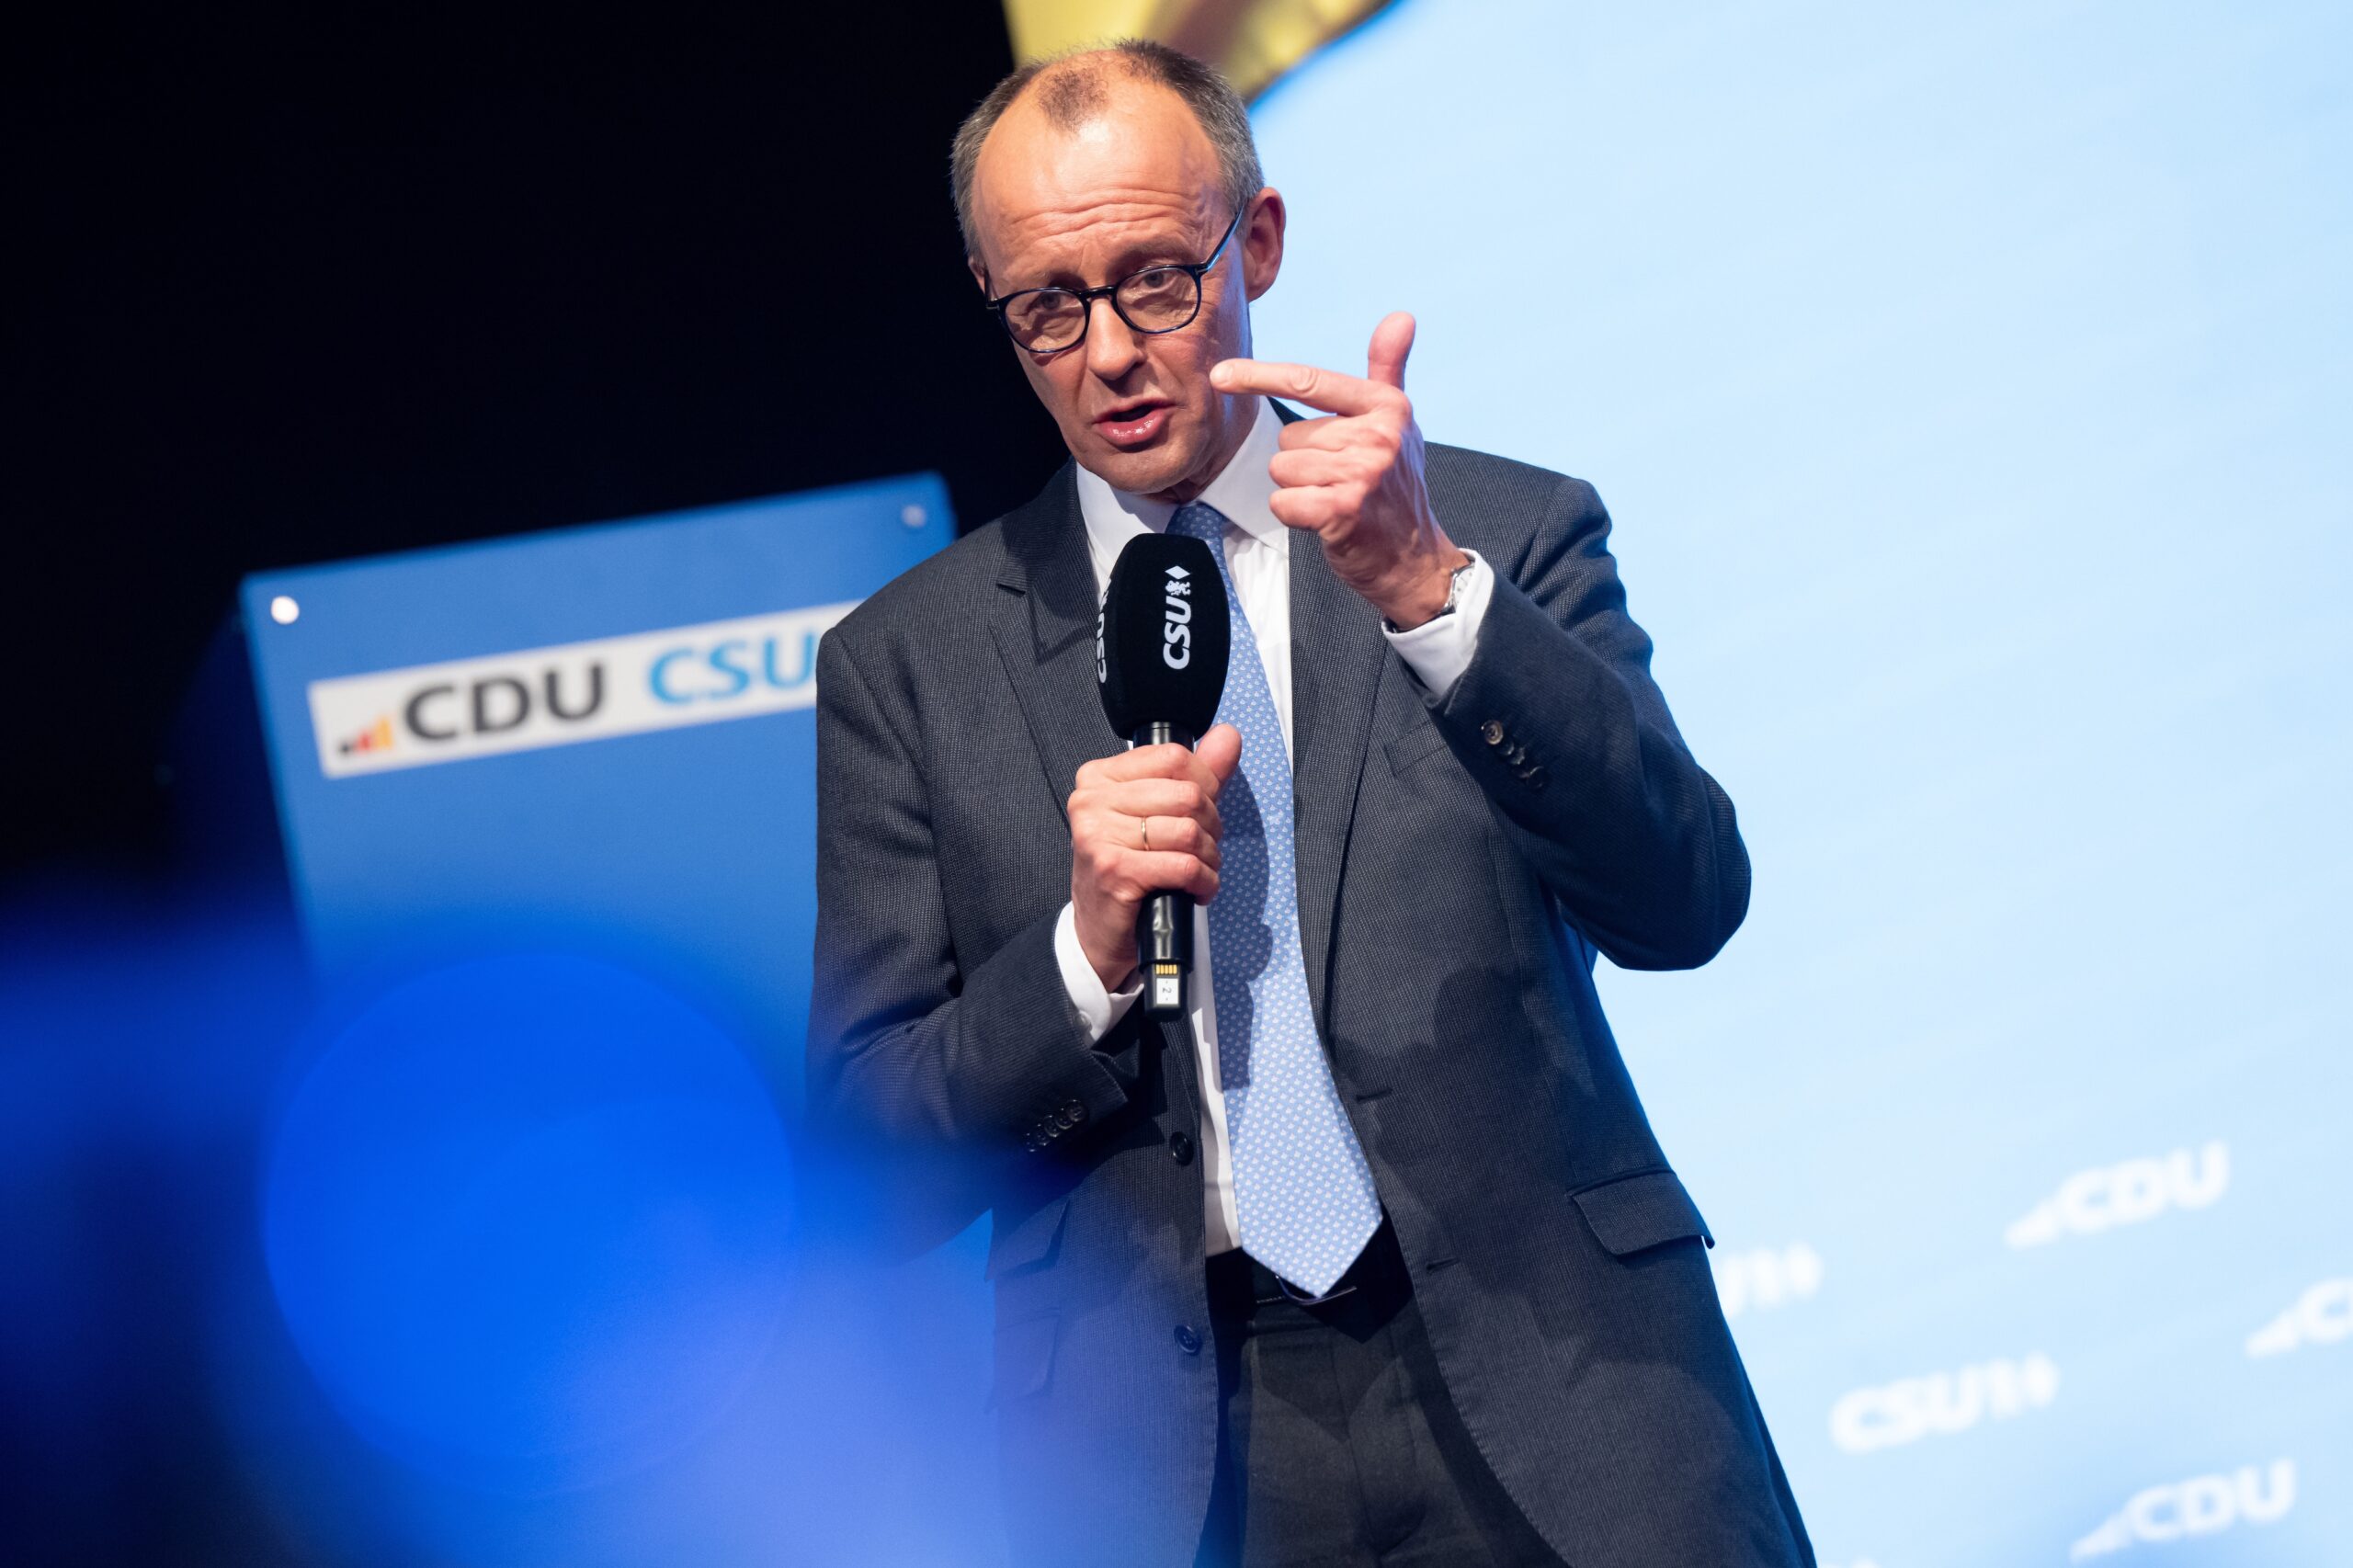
1145	823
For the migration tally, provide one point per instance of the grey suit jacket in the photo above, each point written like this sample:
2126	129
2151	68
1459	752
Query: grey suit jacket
1460	863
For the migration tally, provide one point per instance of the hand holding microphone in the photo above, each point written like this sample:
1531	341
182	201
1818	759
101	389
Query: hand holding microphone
1144	822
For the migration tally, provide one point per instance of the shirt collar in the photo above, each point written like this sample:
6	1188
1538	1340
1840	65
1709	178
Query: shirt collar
1241	491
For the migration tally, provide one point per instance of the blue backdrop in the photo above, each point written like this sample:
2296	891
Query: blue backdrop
1970	387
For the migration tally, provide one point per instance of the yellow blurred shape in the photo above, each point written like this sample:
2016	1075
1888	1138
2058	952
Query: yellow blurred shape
1253	41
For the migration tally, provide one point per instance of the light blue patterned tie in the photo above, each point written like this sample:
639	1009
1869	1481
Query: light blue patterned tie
1301	1189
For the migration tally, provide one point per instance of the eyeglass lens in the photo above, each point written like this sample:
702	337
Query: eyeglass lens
1159	298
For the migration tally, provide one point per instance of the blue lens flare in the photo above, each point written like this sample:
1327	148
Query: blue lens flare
529	1219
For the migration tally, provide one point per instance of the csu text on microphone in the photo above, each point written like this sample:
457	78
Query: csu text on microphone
570	692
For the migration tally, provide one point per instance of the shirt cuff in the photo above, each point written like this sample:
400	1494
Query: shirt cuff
1439	649
1099	1008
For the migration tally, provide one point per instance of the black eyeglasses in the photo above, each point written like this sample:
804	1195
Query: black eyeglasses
1157	299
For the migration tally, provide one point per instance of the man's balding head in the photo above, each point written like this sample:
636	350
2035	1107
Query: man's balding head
1072	88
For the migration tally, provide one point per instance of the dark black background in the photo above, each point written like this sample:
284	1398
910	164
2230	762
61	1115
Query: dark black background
352	278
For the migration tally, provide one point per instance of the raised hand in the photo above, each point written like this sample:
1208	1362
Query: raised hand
1354	479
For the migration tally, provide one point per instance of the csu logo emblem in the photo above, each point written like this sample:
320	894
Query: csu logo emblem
1912	1408
1176	622
2201	1506
2124	1194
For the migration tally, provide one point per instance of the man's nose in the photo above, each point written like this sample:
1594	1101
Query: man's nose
1113	348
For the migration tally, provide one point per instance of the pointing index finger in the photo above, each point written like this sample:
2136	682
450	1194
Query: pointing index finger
1327	390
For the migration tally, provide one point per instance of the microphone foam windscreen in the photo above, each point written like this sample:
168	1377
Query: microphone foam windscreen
1161	640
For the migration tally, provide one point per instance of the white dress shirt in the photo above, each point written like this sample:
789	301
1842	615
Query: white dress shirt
1257	552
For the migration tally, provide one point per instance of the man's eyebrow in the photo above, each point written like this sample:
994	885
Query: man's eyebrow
1133	257
1155	254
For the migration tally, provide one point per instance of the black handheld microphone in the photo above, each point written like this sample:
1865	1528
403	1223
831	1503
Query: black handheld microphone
1160	648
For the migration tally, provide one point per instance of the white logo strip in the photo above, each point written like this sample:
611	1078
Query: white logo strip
575	691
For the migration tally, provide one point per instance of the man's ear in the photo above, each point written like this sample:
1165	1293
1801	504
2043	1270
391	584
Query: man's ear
1262	242
979	274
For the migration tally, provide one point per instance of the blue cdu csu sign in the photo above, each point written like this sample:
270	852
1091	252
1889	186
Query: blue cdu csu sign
689	836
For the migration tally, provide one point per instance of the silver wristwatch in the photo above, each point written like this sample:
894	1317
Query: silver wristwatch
1454	581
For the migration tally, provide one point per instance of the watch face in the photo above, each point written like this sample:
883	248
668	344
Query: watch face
1454	585
1454	581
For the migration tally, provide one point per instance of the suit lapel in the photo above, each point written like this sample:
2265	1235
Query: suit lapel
1337	657
1043	621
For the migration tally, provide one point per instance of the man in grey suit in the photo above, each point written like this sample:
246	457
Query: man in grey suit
1375	1260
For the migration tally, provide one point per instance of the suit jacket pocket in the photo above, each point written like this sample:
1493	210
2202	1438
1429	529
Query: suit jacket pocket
1647	1210
1026	1242
1417	741
1025	1357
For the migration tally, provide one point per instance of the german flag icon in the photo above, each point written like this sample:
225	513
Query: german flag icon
377	736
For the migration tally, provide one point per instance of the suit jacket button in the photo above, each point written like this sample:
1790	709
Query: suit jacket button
1493	732
1180	1148
1186	1340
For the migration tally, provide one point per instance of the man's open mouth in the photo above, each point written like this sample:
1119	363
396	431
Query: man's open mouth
1133	424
